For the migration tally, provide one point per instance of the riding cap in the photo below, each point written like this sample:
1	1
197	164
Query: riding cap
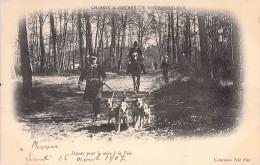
93	57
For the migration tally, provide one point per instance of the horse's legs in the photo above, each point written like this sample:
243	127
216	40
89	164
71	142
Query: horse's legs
134	82
138	83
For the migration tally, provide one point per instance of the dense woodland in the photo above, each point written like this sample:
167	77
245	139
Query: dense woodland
200	43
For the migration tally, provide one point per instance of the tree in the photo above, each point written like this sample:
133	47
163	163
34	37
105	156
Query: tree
80	41
113	40
187	37
101	29
173	38
73	40
124	21
89	47
169	36
177	38
41	20
54	41
203	46
26	68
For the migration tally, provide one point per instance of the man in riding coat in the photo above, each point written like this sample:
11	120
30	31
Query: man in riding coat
137	50
94	76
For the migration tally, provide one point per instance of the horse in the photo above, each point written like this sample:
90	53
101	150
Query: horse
135	70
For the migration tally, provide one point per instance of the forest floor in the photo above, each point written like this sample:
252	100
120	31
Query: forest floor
184	108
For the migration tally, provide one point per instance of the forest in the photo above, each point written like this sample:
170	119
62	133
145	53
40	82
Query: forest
204	50
195	41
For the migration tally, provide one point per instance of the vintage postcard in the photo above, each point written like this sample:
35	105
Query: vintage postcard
117	82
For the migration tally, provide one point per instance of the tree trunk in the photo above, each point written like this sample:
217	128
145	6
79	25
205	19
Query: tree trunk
69	58
73	41
96	38
195	37
60	40
25	59
89	47
124	20
75	51
112	45
80	41
178	60
186	47
118	45
213	32
169	37
189	37
54	41
37	43
203	46
49	53
42	43
173	38
101	35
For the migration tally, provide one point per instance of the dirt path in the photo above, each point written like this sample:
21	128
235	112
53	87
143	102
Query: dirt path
68	117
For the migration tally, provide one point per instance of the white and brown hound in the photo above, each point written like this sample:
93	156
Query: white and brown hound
140	113
120	112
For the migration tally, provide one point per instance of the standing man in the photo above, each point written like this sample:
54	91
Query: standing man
165	69
140	58
94	76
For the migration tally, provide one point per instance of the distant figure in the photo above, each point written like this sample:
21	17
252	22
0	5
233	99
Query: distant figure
155	64
135	51
94	75
165	69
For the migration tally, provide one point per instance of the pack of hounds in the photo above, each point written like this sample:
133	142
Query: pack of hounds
139	107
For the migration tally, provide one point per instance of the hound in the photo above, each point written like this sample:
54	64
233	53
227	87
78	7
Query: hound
120	112
140	113
147	113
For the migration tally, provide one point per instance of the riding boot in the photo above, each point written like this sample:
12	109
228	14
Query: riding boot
96	108
128	69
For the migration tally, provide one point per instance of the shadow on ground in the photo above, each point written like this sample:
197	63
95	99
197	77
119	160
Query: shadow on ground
182	108
100	128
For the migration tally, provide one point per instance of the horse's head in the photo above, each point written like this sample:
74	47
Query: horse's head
135	56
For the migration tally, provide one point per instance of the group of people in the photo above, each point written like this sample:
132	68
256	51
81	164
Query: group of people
95	77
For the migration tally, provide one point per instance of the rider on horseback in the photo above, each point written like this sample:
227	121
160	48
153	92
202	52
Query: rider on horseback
135	51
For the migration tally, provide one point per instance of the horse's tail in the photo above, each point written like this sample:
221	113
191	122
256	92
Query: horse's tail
123	99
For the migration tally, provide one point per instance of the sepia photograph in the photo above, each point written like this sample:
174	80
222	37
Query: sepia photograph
159	72
86	78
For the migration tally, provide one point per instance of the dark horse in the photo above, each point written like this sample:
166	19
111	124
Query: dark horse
135	70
